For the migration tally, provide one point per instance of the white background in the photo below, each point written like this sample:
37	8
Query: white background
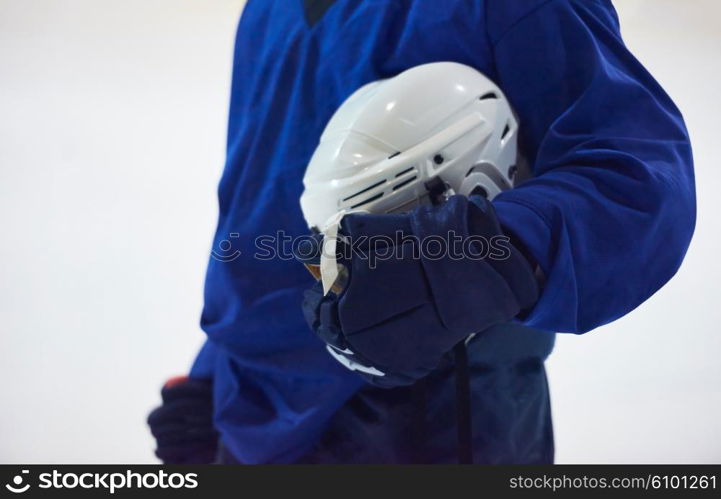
112	131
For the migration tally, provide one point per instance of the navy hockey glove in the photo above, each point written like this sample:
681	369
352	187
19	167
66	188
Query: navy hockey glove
183	424
420	282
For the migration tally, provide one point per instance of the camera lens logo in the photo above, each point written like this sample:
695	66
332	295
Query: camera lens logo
225	254
17	483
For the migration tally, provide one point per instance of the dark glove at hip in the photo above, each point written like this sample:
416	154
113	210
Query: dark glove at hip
183	424
420	282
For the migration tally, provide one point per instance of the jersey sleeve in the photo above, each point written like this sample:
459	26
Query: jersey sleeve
610	210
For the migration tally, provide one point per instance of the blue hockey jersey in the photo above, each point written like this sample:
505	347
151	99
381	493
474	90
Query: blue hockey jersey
608	214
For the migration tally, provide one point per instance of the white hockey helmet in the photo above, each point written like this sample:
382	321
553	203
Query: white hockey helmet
440	127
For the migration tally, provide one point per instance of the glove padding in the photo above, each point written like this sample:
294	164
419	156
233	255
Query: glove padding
409	298
183	424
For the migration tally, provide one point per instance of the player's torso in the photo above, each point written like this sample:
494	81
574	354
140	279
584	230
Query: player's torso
289	77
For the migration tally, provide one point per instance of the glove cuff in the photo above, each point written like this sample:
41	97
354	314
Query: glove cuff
481	279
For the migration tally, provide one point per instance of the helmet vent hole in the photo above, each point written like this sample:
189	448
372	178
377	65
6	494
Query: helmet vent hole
506	131
405	182
470	170
365	190
394	155
366	201
400	174
438	159
487	96
479	191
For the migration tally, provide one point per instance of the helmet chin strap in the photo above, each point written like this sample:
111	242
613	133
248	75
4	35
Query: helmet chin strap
438	192
329	270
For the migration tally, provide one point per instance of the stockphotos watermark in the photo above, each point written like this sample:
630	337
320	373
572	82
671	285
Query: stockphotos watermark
374	249
109	482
